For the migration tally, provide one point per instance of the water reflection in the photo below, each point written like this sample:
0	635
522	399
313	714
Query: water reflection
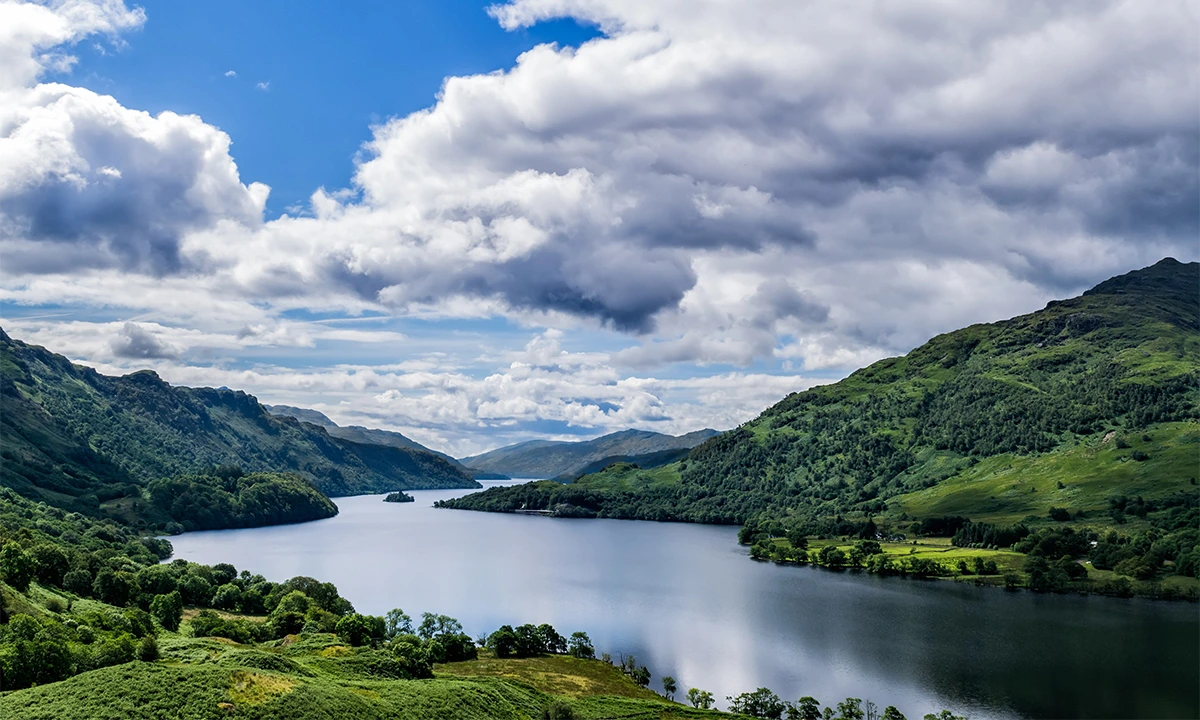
686	601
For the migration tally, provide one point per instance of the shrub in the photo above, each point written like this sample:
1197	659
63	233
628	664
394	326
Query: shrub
558	710
148	649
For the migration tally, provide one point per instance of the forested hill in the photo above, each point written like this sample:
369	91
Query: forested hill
74	437
549	459
1072	407
355	433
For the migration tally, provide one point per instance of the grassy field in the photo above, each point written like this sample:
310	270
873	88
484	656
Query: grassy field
938	549
552	674
316	675
1007	488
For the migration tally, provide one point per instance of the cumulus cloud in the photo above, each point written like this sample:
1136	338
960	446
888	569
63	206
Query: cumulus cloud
86	183
815	184
135	341
1047	147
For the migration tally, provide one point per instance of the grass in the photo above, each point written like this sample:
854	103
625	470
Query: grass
1007	488
552	674
315	675
938	549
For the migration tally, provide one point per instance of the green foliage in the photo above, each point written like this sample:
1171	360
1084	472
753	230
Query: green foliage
356	629
399	497
580	646
17	567
702	699
559	710
762	703
234	499
167	609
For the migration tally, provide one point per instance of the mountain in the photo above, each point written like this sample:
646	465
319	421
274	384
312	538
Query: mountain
76	438
1076	407
645	462
354	433
548	459
372	436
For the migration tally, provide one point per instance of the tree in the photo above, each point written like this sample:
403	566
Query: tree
641	676
944	715
397	622
433	625
503	642
17	567
806	708
798	539
114	588
580	646
850	709
668	684
702	699
227	597
552	642
167	609
762	703
354	629
831	556
891	713
51	562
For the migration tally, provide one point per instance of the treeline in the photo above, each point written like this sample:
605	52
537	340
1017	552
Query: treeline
226	497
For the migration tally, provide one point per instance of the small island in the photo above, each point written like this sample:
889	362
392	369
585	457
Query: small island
398	497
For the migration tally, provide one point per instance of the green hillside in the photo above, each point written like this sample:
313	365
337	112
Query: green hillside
78	439
549	459
1079	407
92	625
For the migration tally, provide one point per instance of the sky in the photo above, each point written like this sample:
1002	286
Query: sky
480	224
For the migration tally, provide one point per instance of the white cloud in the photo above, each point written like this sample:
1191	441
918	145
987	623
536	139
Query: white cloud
230	73
816	184
265	86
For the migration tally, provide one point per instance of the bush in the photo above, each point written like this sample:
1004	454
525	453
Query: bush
167	609
558	710
17	567
354	629
148	649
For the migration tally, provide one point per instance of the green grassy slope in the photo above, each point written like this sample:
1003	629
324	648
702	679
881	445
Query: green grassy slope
204	678
75	438
1082	477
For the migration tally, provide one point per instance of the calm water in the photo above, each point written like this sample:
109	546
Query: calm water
686	601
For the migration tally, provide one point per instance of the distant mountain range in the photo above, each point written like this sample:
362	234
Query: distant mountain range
372	436
566	460
77	439
354	433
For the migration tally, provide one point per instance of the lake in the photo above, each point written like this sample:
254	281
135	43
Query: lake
687	601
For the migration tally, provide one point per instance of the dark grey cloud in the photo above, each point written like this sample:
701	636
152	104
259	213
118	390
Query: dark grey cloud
135	342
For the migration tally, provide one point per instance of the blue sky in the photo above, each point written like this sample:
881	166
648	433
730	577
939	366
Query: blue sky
330	74
480	224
